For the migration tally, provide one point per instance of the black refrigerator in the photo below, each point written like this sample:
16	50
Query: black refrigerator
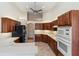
20	31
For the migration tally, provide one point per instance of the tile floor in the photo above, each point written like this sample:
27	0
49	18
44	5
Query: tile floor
43	49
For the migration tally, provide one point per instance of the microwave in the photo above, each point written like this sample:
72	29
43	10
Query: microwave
64	31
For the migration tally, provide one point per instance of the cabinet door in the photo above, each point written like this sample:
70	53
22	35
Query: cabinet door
67	18
44	26
64	20
45	38
8	25
38	37
60	21
38	26
4	25
53	45
47	26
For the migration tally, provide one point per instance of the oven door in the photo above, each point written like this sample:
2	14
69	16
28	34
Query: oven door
60	31
64	31
64	48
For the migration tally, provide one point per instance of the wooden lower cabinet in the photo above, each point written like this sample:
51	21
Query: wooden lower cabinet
41	38
38	37
53	45
45	38
50	41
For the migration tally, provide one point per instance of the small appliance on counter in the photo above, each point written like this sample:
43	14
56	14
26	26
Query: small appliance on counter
20	31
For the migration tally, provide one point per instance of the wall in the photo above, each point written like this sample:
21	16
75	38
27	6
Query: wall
9	10
59	9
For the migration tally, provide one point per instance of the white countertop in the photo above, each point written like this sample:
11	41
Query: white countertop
51	34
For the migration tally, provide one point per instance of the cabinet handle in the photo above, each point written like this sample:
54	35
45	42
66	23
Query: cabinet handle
67	33
67	29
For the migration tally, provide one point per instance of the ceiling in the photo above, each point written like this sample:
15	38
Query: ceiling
25	6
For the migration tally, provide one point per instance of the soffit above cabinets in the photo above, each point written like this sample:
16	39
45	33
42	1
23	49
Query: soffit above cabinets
25	6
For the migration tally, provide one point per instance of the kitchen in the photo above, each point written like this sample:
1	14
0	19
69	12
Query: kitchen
65	36
55	24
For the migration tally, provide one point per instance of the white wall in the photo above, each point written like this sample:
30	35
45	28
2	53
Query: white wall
9	10
61	8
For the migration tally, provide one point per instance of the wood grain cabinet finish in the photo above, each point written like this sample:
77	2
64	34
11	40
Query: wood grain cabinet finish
55	22
38	37
41	38
64	20
43	26
53	45
47	26
8	25
45	38
38	26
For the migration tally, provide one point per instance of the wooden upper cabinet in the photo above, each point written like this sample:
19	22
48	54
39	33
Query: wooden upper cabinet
64	20
47	26
38	26
8	25
42	26
45	38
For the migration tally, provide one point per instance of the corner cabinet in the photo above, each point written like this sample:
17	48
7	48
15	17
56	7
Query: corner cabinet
53	45
38	37
46	39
